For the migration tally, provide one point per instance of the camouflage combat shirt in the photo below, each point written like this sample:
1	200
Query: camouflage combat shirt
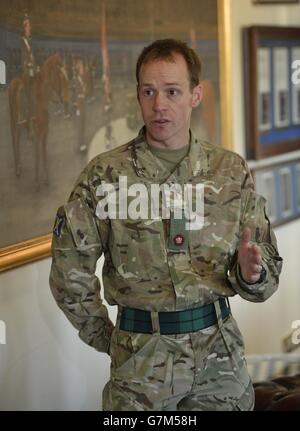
145	265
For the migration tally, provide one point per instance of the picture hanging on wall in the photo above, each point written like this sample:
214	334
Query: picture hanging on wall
272	90
70	94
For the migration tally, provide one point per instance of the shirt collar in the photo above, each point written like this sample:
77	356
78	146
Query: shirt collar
151	168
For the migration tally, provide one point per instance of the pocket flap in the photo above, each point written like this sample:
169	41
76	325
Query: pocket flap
82	223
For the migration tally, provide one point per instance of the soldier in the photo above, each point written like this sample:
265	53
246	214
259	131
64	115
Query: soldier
29	70
175	344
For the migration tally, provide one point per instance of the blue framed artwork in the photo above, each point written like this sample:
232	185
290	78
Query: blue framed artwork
272	90
280	185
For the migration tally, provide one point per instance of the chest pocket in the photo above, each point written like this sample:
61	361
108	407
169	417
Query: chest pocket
136	244
212	246
137	249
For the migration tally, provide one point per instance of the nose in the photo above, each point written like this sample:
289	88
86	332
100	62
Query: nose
159	103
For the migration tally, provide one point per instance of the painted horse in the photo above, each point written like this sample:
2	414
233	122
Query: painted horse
51	80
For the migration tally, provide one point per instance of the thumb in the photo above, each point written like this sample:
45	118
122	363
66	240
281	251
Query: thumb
246	235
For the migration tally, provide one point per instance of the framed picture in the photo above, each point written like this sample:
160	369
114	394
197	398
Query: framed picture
272	90
265	184
279	183
80	57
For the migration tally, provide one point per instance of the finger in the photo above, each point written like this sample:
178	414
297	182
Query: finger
246	235
256	256
257	269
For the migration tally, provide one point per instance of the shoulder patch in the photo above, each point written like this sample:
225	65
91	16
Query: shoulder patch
58	225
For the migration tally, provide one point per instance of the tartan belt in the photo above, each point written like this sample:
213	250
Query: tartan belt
172	322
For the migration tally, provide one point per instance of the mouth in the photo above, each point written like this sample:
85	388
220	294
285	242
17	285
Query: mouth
161	121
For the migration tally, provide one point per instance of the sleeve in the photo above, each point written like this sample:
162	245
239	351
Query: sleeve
253	215
76	248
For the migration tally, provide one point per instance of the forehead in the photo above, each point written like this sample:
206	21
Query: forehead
174	69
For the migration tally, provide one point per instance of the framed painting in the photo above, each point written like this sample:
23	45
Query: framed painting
272	90
70	94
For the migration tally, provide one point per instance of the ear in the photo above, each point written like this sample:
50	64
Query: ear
197	95
137	93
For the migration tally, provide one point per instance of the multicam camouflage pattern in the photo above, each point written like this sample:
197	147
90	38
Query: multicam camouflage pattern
204	370
143	269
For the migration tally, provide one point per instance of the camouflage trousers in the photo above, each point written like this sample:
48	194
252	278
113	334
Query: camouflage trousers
203	370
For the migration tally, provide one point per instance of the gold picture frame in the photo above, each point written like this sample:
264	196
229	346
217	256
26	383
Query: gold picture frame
38	248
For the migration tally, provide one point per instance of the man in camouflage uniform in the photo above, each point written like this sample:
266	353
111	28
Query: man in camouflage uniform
175	345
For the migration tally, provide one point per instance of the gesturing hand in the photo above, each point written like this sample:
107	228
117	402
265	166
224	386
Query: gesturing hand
249	258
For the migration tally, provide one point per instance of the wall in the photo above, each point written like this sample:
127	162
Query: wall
44	365
264	325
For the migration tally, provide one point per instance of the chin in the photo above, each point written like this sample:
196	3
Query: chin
159	136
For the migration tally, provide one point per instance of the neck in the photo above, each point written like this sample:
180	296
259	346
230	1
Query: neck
173	143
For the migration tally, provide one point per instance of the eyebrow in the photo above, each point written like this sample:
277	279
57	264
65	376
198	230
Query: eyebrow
166	84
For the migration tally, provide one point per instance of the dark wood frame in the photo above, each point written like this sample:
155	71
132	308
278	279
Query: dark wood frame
251	42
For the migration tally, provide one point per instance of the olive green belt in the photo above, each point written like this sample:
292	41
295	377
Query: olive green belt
172	322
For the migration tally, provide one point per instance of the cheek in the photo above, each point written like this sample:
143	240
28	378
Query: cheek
184	111
145	108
